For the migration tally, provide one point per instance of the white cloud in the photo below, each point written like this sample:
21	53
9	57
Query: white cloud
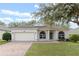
25	19
22	16
36	6
8	16
6	20
73	25
16	13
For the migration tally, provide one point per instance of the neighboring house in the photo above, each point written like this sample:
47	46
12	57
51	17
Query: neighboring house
1	33
3	29
72	31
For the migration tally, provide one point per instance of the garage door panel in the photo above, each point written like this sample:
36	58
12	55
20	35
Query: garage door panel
24	36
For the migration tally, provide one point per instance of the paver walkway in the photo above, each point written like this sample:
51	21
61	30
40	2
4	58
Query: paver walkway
14	48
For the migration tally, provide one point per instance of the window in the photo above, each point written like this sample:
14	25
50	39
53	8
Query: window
61	35
42	35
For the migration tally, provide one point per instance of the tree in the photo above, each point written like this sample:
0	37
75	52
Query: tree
32	22
17	24
13	24
44	13
61	13
68	11
22	24
2	23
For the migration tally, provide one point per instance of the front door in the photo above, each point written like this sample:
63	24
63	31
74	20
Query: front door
51	35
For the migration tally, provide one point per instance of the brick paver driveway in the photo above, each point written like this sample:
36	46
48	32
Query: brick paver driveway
14	48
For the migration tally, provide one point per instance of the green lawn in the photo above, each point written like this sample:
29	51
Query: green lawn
54	49
3	42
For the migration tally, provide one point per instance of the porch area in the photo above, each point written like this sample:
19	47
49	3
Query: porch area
50	35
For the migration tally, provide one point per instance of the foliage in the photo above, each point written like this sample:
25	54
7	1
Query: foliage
67	40
32	22
59	12
6	36
74	37
22	24
2	23
16	24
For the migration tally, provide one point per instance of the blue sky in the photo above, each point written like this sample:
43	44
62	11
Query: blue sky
22	7
10	12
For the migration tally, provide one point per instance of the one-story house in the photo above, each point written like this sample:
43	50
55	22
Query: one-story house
37	33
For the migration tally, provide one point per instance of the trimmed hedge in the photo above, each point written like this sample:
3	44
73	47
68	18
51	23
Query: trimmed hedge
74	38
6	36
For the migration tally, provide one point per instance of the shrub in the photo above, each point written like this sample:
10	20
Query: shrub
61	39
6	36
74	38
67	40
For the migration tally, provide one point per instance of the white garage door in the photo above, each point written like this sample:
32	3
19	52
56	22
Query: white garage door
24	36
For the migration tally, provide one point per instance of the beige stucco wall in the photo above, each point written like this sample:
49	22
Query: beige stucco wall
66	34
55	35
1	33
